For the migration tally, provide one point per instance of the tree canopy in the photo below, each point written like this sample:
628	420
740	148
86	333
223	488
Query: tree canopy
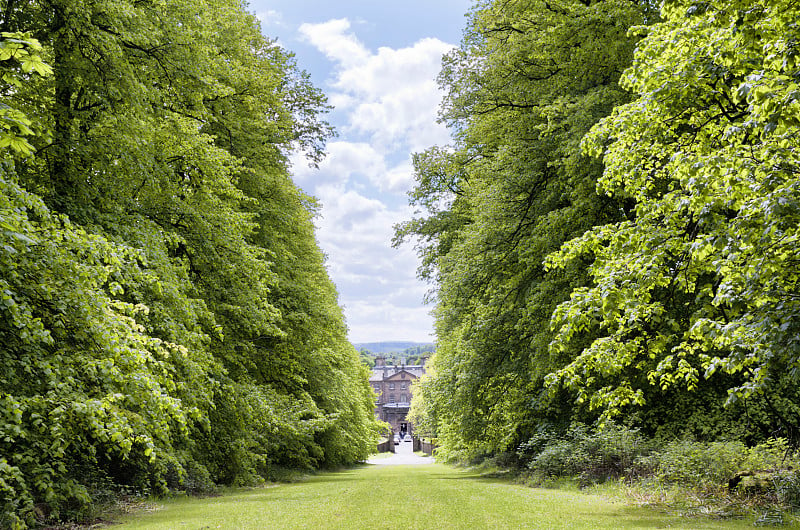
166	319
701	278
613	232
528	82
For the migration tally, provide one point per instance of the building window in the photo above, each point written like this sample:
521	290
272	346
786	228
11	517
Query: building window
391	398
404	398
404	385
391	386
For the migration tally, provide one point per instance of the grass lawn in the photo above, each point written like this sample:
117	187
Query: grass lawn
407	497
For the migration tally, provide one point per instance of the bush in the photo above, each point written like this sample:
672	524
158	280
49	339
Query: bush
787	488
14	498
606	452
697	463
697	473
713	464
197	480
775	453
559	458
528	451
613	450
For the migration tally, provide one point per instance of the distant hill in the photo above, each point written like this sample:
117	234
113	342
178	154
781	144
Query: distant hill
394	352
392	347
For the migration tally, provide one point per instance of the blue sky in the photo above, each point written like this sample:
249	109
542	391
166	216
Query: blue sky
377	62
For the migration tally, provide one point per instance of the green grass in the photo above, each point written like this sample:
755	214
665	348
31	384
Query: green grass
407	497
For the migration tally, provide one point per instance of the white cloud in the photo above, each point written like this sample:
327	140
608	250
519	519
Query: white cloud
391	95
270	17
400	177
356	232
346	160
385	322
343	161
332	40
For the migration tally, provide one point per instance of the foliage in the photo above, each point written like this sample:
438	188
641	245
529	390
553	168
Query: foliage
392	354
615	451
594	455
83	383
166	319
700	280
529	80
659	288
713	464
725	478
698	463
20	58
787	488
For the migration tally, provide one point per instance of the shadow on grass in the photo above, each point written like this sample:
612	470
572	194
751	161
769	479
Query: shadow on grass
485	479
650	517
333	478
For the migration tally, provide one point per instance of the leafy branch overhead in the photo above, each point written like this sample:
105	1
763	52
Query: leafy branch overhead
20	58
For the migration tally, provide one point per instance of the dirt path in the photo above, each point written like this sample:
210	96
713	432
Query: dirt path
403	456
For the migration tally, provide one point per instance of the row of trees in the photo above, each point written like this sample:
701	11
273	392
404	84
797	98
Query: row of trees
166	319
614	231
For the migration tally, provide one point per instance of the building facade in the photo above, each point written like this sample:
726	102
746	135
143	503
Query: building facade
393	386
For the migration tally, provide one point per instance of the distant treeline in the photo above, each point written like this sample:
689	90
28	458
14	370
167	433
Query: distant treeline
412	352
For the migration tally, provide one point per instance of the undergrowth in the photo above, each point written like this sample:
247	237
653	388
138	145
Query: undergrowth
724	479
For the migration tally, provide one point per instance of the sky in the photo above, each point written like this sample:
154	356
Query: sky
377	63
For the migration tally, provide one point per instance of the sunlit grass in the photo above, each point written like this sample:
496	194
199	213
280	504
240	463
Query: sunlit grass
409	497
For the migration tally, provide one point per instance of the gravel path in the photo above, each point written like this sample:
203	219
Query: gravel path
403	456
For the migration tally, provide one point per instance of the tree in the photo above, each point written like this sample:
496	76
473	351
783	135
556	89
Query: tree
84	384
164	282
698	285
528	82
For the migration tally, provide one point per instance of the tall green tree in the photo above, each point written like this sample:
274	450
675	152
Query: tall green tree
86	391
165	287
527	83
699	283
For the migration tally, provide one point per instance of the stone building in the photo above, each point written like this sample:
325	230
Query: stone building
392	384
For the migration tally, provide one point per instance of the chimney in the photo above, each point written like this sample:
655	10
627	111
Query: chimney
380	361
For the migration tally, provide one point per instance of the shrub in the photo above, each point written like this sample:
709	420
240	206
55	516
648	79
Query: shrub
775	453
787	488
528	451
713	464
559	458
197	480
596	455
613	450
698	463
14	497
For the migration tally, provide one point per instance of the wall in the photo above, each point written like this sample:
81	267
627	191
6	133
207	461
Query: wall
387	446
427	447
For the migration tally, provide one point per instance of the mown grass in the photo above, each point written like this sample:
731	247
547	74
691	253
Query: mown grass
408	497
